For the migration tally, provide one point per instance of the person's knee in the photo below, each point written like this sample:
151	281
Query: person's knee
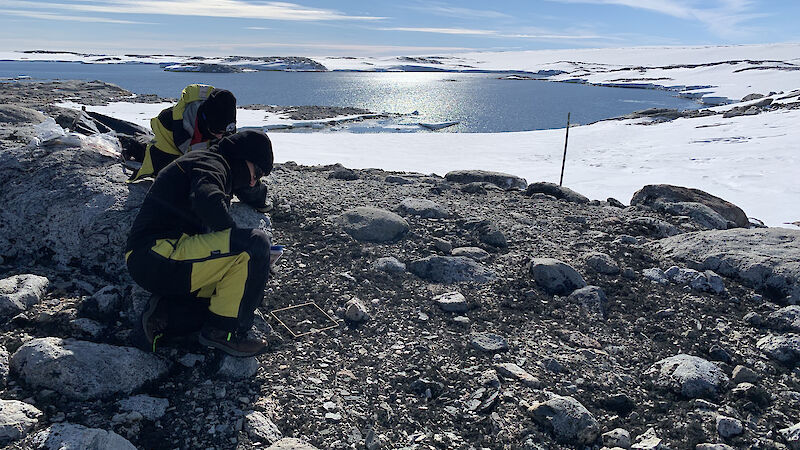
258	244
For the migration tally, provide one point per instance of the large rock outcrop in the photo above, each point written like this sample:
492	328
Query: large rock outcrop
503	180
67	201
767	259
653	194
85	370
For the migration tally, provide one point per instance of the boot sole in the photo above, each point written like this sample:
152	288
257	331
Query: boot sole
209	343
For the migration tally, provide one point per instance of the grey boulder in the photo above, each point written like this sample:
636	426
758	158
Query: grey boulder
489	342
15	115
16	420
765	259
666	193
85	370
373	224
559	192
426	209
567	419
67	436
785	319
689	376
19	292
451	269
451	302
555	277
499	179
260	428
698	212
784	348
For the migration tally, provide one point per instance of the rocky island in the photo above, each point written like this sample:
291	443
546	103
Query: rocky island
473	310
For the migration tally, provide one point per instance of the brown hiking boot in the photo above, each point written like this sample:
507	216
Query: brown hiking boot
153	322
232	343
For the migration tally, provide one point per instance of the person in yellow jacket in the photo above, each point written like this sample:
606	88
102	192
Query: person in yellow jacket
202	116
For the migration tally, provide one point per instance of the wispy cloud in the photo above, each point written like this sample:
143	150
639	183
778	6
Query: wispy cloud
66	18
722	17
499	34
460	13
441	30
207	8
329	48
257	28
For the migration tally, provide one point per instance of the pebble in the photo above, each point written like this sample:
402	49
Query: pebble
355	311
489	342
333	417
617	438
451	302
443	245
655	275
742	374
512	370
191	359
461	320
729	426
754	319
648	441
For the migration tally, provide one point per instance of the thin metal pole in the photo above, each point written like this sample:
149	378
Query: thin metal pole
564	160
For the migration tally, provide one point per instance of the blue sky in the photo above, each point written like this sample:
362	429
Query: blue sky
357	27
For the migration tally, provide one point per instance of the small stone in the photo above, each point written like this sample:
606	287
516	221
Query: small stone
710	446
618	437
476	253
235	368
602	263
552	365
628	273
148	407
791	436
591	298
452	302
330	406
461	320
655	275
742	374
555	277
717	353
754	319
389	264
489	378
567	419
16	420
512	370
443	245
426	209
87	326
260	428
3	366
648	441
19	292
355	311
489	342
191	359
333	417
728	426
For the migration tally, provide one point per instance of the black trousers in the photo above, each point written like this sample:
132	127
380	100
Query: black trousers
224	272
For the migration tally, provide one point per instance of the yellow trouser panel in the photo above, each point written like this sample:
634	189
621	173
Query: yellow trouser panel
216	273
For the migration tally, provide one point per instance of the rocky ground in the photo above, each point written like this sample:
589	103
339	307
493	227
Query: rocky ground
473	310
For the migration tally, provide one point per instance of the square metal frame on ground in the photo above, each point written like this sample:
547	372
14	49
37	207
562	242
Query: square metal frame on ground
334	322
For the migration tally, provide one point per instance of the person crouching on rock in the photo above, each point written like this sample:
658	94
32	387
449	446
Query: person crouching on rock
202	116
185	244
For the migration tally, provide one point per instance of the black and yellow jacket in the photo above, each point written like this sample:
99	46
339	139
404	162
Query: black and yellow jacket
173	129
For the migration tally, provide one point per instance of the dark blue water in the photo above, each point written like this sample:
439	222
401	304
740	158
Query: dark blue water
480	102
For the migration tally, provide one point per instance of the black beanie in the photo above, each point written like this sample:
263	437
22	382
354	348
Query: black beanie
219	111
248	145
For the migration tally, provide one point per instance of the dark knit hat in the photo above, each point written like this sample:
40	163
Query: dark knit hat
219	111
248	145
